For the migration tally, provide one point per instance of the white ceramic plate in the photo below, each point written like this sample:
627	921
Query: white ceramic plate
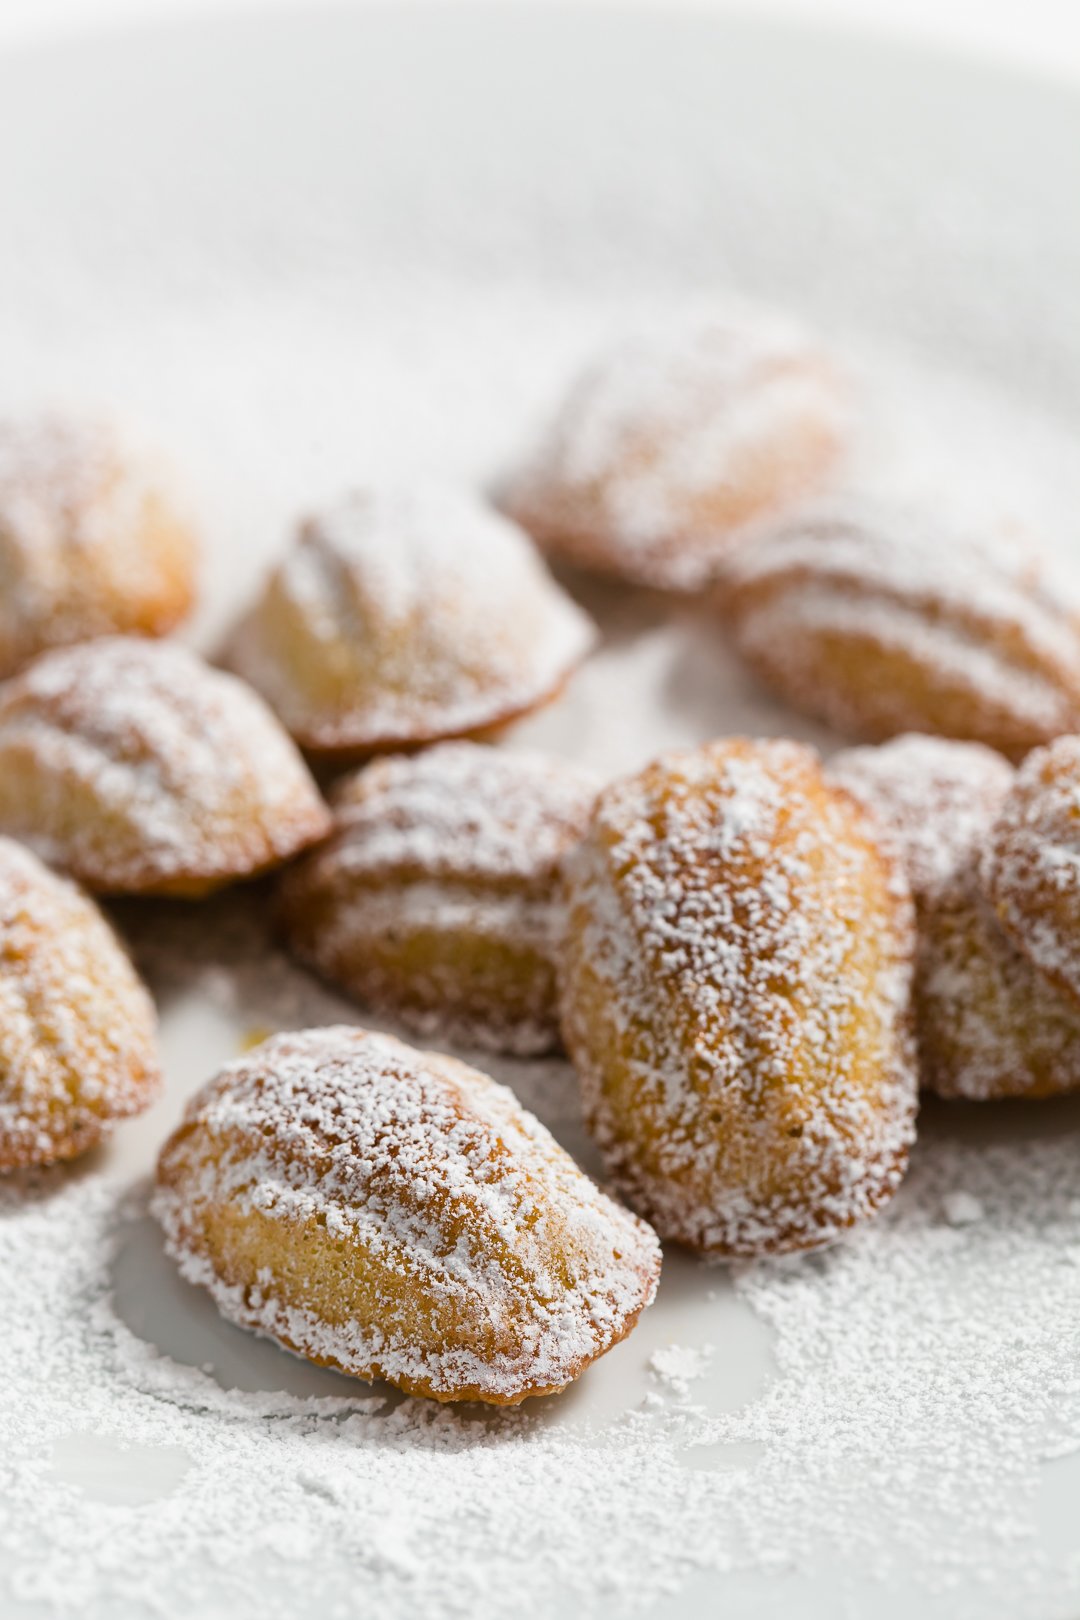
310	248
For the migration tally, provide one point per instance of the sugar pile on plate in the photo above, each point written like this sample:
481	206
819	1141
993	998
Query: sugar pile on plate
922	1371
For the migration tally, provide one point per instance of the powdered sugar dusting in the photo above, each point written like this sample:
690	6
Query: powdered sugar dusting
878	1447
61	485
934	797
460	811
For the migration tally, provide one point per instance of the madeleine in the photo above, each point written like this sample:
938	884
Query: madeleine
400	617
1031	864
77	1029
735	995
438	897
668	446
140	770
881	620
989	1024
92	539
394	1214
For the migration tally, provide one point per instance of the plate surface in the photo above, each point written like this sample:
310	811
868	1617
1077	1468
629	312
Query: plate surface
307	250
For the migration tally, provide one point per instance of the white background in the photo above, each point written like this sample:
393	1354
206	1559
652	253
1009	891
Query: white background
1044	34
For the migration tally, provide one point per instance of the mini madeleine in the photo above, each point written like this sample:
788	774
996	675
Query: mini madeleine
1031	863
438	898
77	1029
394	1214
989	1024
140	770
92	539
402	616
880	620
735	989
668	446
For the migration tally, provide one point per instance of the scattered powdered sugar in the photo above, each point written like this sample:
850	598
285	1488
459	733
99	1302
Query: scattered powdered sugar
678	1365
907	1384
961	1208
402	615
134	765
955	1348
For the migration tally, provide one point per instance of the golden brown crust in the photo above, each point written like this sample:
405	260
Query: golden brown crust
77	1047
394	1214
437	899
92	542
399	618
667	447
137	768
735	994
879	620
